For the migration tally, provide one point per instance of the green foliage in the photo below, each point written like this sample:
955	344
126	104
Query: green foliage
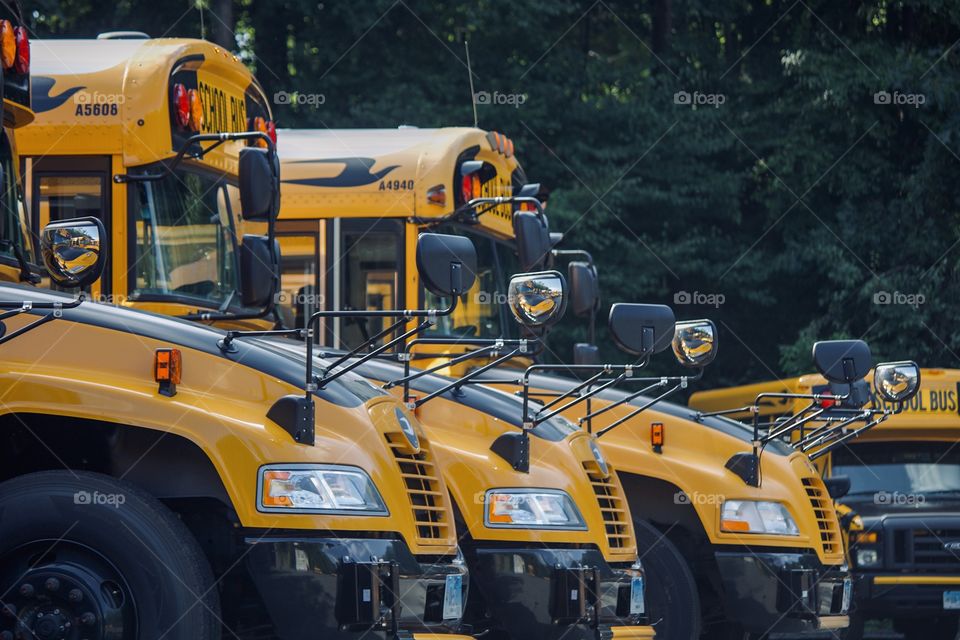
798	199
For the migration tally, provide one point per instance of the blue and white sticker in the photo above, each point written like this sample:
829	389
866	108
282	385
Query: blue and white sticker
847	595
951	600
453	597
637	606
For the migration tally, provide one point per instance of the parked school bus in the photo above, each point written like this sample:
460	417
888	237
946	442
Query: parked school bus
699	575
111	114
160	480
350	213
904	484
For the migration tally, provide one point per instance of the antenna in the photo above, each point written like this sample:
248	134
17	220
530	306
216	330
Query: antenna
203	29
473	96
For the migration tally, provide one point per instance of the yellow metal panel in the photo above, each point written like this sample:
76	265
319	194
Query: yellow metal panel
918	580
641	632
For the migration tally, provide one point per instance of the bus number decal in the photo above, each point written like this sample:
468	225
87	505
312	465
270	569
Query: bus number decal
97	109
396	185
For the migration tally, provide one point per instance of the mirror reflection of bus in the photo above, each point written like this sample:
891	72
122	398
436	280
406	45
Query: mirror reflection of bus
72	251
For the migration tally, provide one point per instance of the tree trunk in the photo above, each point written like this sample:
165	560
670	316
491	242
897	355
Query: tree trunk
222	25
662	25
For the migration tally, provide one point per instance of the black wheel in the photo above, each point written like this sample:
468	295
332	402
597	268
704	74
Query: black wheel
673	606
927	628
85	556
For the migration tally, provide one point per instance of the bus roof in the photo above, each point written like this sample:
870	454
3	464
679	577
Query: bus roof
114	96
390	172
934	410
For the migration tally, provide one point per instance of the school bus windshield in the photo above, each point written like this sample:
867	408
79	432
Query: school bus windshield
483	311
184	242
903	468
13	229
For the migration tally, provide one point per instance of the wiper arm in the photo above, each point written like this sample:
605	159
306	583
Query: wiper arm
227	301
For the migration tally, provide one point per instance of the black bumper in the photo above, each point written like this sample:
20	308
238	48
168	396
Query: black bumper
549	594
902	600
345	589
782	593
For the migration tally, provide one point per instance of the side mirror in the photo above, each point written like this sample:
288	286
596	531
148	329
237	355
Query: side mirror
842	361
857	393
537	299
258	274
897	381
259	178
72	253
695	343
528	190
642	329
447	264
586	353
533	239
584	288
837	486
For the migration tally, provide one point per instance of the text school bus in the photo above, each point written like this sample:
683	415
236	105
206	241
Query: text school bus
170	482
120	127
550	547
904	484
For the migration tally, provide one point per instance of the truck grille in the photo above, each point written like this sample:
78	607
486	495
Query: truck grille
613	507
924	547
427	496
825	513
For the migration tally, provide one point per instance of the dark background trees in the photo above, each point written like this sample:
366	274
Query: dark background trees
790	165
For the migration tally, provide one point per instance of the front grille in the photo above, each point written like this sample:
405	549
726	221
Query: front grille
927	547
613	507
825	513
421	478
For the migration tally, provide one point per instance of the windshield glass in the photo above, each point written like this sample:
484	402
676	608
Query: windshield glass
901	467
483	311
184	243
13	223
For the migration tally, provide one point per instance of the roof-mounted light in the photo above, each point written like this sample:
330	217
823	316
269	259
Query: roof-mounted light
196	111
470	179
8	45
181	106
22	65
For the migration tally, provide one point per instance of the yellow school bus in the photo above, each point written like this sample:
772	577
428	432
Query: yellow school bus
354	201
162	478
904	479
353	205
126	132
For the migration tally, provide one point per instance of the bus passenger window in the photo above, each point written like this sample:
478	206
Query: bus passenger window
66	197
370	266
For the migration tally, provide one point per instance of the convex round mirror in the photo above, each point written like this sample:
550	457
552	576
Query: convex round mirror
695	343
71	251
537	299
897	381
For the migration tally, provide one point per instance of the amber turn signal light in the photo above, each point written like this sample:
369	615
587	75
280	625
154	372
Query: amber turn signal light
167	369
656	436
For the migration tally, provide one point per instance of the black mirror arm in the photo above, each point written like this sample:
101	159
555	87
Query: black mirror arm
848	436
643	407
217	139
19	308
456	384
836	425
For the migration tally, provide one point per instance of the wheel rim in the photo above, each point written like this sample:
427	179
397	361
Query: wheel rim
61	590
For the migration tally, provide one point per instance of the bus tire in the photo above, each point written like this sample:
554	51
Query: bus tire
673	605
84	549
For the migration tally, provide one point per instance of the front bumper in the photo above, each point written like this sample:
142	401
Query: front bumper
783	593
548	594
345	589
904	595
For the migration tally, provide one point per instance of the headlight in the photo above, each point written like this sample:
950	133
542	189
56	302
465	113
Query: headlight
531	509
867	558
310	488
751	516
